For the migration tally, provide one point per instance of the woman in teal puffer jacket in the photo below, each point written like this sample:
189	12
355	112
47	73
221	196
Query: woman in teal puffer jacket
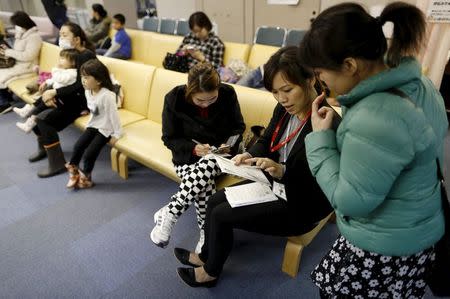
379	169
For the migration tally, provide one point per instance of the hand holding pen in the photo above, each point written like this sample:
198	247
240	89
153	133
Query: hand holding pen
201	149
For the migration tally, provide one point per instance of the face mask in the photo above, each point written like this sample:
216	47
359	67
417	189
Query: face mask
19	30
65	44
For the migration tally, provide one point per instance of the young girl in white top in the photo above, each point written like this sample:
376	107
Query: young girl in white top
103	126
64	74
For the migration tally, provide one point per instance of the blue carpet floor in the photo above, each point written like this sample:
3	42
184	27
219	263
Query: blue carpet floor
57	243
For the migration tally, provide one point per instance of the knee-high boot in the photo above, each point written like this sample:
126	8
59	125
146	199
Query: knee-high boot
40	153
56	161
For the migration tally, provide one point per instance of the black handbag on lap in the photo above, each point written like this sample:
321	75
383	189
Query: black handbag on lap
176	63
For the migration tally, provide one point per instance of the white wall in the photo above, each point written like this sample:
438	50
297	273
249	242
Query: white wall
88	3
127	8
177	9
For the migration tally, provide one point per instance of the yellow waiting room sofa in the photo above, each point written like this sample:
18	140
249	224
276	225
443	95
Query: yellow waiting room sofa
151	48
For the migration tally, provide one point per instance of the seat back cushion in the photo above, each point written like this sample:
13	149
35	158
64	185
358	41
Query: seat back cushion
160	45
163	82
256	106
135	79
235	51
260	54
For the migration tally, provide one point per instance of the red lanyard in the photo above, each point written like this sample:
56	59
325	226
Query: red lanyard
277	130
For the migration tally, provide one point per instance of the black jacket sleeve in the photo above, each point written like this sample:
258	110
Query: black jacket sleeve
172	137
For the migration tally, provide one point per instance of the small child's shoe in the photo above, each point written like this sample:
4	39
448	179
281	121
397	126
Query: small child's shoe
84	181
27	126
74	175
25	111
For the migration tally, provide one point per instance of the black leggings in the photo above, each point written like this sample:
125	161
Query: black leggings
90	144
48	133
50	122
271	218
39	106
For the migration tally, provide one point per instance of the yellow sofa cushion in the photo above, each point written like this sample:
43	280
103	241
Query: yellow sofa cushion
140	43
256	105
160	45
259	54
18	86
163	82
48	57
126	118
235	51
135	79
27	98
142	142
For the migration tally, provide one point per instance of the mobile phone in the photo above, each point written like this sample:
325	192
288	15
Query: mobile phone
232	140
221	150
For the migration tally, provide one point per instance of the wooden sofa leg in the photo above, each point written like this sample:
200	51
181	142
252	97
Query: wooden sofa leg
291	259
115	159
123	166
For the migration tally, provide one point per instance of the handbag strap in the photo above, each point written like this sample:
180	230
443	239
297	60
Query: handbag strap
401	94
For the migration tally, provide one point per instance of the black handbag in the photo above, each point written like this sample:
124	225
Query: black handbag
178	63
439	278
6	62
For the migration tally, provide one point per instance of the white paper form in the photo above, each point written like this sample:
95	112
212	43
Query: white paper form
244	171
249	194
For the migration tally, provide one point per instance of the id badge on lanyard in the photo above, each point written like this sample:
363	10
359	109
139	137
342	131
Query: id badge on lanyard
279	190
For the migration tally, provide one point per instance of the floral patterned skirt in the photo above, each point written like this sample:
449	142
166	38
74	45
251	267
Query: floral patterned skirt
349	270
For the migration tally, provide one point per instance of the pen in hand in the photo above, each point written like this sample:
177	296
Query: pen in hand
201	149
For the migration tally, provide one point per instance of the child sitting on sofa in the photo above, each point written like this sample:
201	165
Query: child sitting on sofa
103	126
64	74
121	44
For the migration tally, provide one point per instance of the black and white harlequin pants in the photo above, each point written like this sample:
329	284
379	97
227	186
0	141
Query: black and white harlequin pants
197	186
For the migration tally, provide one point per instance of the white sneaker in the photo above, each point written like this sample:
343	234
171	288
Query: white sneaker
27	126
165	221
200	243
25	111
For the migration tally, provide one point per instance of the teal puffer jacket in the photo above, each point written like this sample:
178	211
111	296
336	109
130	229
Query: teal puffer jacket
379	169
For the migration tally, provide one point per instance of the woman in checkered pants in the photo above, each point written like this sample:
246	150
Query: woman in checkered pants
197	116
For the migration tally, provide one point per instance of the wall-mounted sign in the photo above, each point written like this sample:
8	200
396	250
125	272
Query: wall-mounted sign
439	11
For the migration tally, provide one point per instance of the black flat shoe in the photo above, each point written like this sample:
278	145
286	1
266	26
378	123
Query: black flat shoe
183	256
188	276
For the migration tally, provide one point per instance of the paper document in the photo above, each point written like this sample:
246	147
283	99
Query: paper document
252	173
249	194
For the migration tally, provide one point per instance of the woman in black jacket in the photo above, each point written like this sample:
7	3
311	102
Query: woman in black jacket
196	117
68	102
281	153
